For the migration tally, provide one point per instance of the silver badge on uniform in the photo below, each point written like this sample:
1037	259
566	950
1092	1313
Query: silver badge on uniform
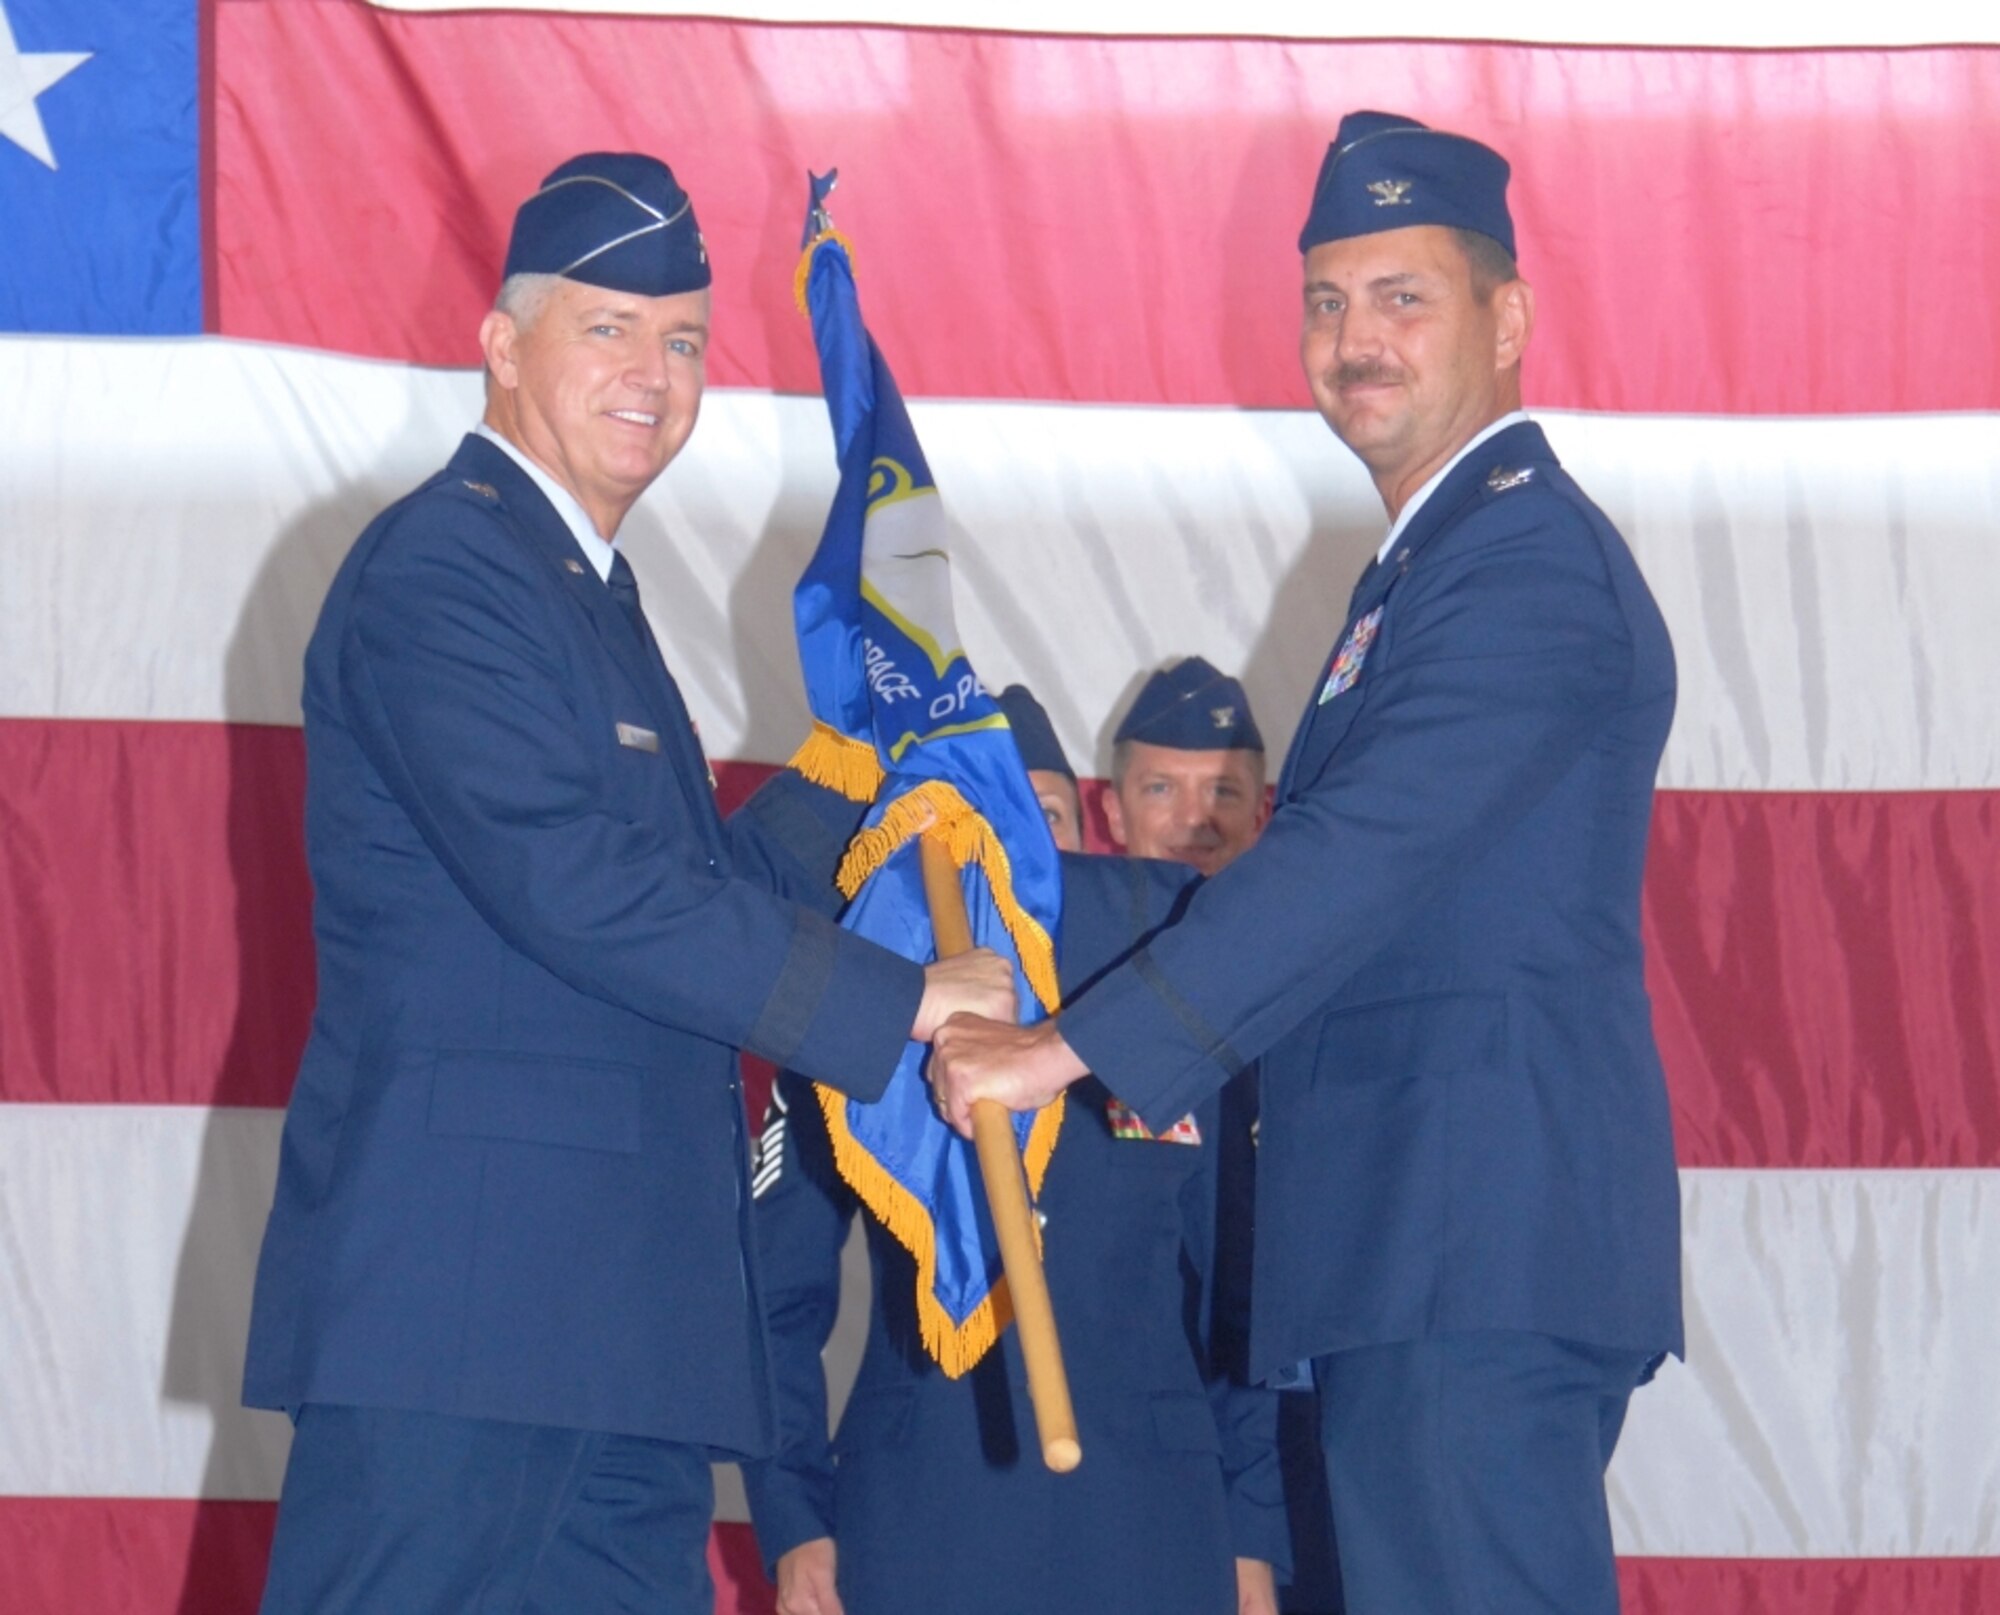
630	734
767	1154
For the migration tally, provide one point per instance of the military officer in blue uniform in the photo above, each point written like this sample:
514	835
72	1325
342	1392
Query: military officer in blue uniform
1187	769
1049	771
1468	1215
933	1495
507	1290
1187	786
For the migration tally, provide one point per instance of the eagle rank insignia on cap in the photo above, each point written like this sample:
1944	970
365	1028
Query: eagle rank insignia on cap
1502	477
1389	192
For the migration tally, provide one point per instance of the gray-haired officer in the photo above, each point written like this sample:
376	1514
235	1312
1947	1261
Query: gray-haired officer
506	1289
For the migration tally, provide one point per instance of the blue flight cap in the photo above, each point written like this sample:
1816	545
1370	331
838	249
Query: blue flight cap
1383	172
1191	706
615	219
1033	733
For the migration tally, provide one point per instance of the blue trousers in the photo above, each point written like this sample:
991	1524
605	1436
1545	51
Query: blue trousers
422	1514
1466	1473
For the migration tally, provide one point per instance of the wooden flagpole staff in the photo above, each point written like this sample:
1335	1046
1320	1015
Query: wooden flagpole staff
1007	1201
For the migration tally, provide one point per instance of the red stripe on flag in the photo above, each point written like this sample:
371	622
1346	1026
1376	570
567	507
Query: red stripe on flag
1809	1586
1115	219
176	1556
1820	961
161	1556
1821	966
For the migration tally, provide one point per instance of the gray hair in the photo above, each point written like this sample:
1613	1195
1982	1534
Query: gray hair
521	297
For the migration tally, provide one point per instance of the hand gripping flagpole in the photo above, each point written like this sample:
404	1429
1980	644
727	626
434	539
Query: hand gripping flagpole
1007	1201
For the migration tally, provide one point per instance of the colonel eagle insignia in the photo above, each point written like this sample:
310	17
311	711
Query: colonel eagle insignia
1390	192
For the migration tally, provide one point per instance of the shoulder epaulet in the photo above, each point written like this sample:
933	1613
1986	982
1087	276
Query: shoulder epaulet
1506	478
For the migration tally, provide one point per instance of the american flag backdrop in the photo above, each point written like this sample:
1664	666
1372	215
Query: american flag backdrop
244	247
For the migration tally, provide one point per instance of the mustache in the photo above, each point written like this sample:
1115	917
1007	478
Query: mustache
1371	374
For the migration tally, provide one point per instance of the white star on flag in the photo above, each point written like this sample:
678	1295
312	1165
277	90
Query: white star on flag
23	76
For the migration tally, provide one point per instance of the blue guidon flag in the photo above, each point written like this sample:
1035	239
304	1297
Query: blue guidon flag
900	720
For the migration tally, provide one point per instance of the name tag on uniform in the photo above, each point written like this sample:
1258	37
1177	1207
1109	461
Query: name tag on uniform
630	734
1348	659
1125	1123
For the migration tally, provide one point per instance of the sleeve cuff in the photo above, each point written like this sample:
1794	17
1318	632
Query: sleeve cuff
841	1010
787	1507
1146	1044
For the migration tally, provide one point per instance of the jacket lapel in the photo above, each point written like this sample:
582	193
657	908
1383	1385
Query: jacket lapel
1326	721
536	520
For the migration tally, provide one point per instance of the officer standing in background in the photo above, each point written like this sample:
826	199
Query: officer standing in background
1187	769
1468	1209
933	1495
1187	786
1048	767
506	1290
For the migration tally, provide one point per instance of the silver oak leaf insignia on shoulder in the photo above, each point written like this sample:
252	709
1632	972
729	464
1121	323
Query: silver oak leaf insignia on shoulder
1502	477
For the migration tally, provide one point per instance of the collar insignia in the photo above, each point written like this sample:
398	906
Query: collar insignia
1501	478
1390	192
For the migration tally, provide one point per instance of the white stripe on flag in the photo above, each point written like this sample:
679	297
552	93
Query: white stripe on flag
1837	1400
172	513
1836	1403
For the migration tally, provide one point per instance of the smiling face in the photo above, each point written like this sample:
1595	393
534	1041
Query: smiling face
1192	807
599	388
1407	360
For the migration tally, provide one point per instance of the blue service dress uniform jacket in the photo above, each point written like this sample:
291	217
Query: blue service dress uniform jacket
934	1489
1435	949
513	1181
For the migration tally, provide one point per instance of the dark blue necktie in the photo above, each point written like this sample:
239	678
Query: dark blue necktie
625	590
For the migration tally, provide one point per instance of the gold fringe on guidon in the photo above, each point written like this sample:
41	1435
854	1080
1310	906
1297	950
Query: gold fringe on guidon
935	808
803	273
840	763
956	1347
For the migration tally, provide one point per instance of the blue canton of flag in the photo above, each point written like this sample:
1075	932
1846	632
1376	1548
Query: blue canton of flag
900	719
100	167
